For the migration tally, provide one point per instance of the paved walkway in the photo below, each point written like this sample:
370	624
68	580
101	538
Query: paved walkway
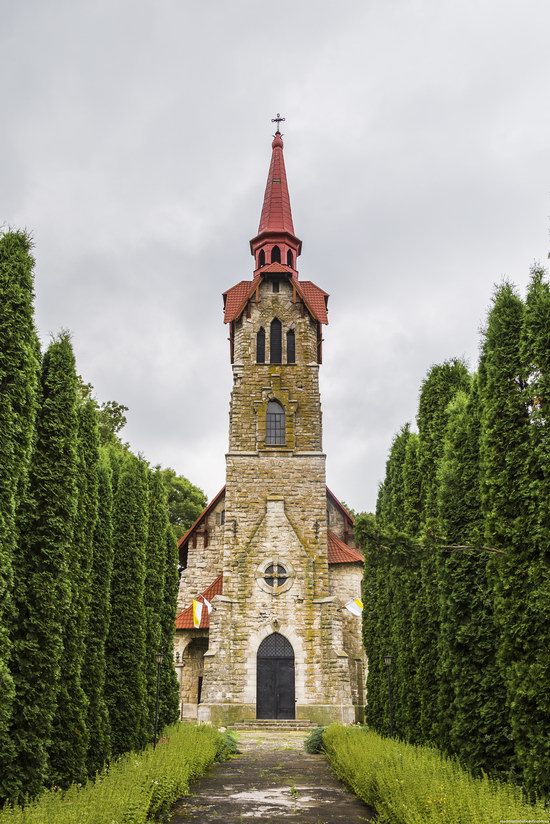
272	780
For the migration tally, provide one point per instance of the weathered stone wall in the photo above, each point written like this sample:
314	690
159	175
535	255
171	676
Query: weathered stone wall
339	524
204	564
345	584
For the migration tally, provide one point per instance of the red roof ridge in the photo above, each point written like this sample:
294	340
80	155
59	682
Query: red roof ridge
341	553
236	298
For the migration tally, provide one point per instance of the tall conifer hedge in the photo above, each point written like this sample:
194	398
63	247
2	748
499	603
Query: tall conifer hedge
42	587
19	369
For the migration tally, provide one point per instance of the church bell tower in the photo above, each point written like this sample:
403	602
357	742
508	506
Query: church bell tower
279	643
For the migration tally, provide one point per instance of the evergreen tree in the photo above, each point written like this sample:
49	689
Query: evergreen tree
99	751
169	688
19	368
126	682
42	591
412	506
154	584
515	499
473	721
69	747
441	384
392	500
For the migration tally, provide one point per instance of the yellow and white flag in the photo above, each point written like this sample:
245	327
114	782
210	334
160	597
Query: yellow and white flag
355	606
197	614
207	604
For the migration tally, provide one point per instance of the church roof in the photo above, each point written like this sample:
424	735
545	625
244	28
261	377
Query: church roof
185	618
236	298
276	212
341	553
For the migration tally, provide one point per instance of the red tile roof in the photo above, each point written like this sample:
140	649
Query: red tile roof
236	298
185	618
341	553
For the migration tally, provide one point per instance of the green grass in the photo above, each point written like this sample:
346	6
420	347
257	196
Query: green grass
418	785
137	788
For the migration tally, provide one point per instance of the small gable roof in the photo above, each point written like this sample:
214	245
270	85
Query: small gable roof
236	298
215	500
185	618
339	505
341	553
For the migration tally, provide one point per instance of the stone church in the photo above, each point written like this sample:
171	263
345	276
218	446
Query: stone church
273	552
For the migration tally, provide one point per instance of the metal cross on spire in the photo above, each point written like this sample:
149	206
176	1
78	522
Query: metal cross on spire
278	120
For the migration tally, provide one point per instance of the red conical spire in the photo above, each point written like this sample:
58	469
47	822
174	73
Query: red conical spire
276	241
276	213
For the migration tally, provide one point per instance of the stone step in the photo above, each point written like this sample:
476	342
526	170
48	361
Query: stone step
273	724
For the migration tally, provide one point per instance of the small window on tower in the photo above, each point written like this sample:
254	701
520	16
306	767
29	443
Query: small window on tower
261	258
275	424
275	341
275	255
290	259
290	346
260	346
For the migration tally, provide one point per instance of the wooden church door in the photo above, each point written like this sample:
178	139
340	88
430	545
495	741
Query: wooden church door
275	678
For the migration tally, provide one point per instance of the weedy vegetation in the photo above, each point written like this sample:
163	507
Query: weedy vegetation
139	787
408	784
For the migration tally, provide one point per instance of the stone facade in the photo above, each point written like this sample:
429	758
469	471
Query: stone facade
267	532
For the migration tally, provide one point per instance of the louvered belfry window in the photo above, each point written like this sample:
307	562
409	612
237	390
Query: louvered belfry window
275	424
275	341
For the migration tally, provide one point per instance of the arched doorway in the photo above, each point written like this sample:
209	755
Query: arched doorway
192	674
275	678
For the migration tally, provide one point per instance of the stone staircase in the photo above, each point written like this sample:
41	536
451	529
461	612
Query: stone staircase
274	725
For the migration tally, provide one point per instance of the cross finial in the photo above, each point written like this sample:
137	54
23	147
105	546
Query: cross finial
278	120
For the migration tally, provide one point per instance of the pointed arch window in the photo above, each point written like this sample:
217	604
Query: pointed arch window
275	341
275	255
291	346
260	346
275	424
261	258
290	259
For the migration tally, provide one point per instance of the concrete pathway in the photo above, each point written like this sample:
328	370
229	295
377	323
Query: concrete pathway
272	780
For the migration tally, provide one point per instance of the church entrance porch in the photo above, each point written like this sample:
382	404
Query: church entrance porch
192	672
275	678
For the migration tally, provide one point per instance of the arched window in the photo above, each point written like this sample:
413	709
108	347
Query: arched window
290	346
260	346
290	259
275	342
275	424
275	255
261	258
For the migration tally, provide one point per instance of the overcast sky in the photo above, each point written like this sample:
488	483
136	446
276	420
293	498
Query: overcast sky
135	139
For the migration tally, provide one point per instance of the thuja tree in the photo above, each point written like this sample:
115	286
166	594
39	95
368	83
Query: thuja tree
69	747
391	561
473	721
514	485
412	504
441	384
154	584
93	679
532	678
19	368
169	689
42	591
391	500
126	682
